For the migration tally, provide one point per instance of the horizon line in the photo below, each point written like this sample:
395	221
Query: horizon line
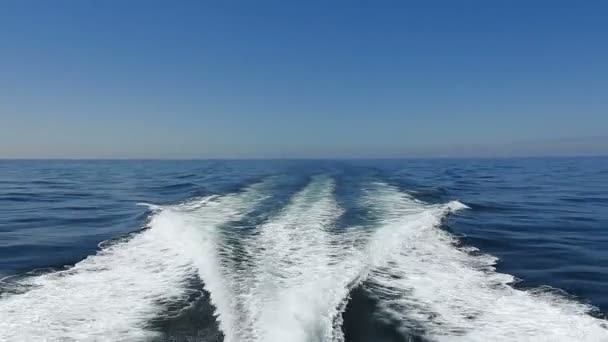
298	158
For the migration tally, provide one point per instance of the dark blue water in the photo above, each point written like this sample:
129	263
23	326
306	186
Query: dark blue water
546	220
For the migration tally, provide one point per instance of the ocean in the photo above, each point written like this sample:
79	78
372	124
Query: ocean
304	250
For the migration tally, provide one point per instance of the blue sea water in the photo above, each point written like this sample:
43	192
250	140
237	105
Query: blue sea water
354	250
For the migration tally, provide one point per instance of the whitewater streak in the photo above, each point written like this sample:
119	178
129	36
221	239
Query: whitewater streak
289	278
111	296
427	285
301	270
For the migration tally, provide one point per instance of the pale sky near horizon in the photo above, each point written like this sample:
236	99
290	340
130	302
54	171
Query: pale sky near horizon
268	79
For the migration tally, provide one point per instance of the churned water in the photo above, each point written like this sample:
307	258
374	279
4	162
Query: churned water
352	250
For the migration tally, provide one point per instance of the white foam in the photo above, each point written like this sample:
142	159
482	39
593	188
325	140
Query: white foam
106	297
295	279
151	206
425	282
301	271
112	295
202	241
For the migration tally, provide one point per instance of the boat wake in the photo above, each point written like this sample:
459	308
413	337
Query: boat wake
290	277
426	284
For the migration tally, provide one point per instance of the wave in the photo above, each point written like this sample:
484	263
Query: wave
203	242
108	296
111	296
287	279
428	285
301	271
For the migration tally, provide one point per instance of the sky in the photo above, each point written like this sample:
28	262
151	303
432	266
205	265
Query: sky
302	79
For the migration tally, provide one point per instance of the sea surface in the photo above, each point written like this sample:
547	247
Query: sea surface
347	250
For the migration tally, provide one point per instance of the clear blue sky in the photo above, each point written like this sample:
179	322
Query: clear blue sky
240	79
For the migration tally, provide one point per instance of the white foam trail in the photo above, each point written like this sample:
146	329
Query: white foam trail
300	277
425	281
112	295
203	243
106	297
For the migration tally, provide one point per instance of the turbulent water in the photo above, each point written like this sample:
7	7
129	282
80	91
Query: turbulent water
304	250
